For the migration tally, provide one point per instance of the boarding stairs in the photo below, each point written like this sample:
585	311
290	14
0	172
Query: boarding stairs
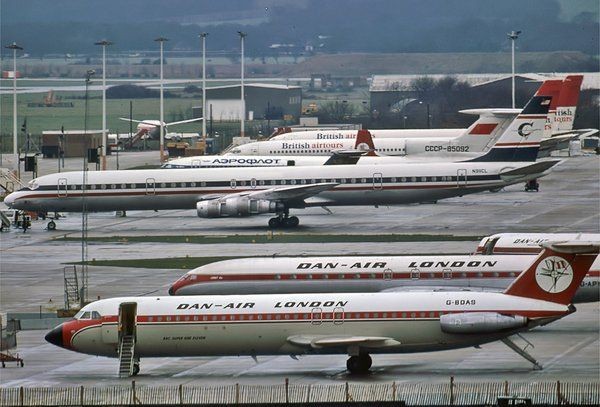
137	137
126	359
71	286
9	182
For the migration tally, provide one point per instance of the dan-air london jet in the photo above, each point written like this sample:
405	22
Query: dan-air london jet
357	324
364	274
223	192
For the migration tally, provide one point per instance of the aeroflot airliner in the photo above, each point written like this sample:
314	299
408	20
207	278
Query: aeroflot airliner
251	191
271	275
356	324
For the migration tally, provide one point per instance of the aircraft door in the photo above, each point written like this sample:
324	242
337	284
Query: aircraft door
415	274
316	316
253	183
233	184
461	178
377	181
196	164
127	319
388	274
338	316
62	187
150	186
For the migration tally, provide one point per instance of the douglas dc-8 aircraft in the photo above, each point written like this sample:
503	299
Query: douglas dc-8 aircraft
334	323
280	275
223	192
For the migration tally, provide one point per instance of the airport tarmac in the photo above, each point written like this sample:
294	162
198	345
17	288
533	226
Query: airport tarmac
32	263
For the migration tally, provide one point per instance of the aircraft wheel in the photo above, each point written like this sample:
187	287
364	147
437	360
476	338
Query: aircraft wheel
51	225
274	223
291	222
359	364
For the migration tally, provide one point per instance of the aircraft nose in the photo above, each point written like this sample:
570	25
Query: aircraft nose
10	200
55	336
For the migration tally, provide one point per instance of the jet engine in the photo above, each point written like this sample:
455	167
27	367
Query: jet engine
236	206
480	322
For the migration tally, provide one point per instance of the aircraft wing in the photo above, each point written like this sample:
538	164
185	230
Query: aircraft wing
535	168
185	121
132	120
333	341
287	193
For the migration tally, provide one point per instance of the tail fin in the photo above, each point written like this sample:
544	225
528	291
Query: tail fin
567	104
490	124
557	272
521	140
554	88
364	142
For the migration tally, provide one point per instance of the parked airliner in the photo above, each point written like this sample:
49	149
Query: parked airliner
223	192
271	275
477	138
357	324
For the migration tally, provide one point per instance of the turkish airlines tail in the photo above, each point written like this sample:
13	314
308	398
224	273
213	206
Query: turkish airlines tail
557	272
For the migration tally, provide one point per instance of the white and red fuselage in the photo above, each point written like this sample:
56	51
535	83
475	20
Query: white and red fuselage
364	274
279	324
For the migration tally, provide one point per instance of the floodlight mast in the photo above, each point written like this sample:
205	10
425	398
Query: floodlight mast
243	113
162	40
104	44
203	36
14	48
513	35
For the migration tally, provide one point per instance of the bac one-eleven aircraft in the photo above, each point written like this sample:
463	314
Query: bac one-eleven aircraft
357	324
222	192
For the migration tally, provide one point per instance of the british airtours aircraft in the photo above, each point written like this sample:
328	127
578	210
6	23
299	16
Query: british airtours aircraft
477	138
224	192
357	324
271	275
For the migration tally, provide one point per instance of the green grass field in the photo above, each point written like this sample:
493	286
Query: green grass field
276	238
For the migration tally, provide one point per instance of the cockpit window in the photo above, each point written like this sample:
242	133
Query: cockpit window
86	315
95	315
33	184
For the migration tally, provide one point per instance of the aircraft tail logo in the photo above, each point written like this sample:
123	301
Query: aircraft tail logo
554	274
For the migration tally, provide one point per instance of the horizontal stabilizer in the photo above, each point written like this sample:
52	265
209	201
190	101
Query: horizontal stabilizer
344	157
492	112
535	168
573	247
325	341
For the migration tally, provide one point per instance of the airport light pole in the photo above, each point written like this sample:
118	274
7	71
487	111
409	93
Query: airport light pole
104	44
513	35
242	36
162	40
203	36
14	48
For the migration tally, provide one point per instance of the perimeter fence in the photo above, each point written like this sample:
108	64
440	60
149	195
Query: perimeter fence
391	394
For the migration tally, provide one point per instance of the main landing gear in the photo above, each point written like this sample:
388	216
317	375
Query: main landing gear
359	364
284	220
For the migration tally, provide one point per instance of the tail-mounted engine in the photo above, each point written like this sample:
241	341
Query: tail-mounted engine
480	322
237	206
